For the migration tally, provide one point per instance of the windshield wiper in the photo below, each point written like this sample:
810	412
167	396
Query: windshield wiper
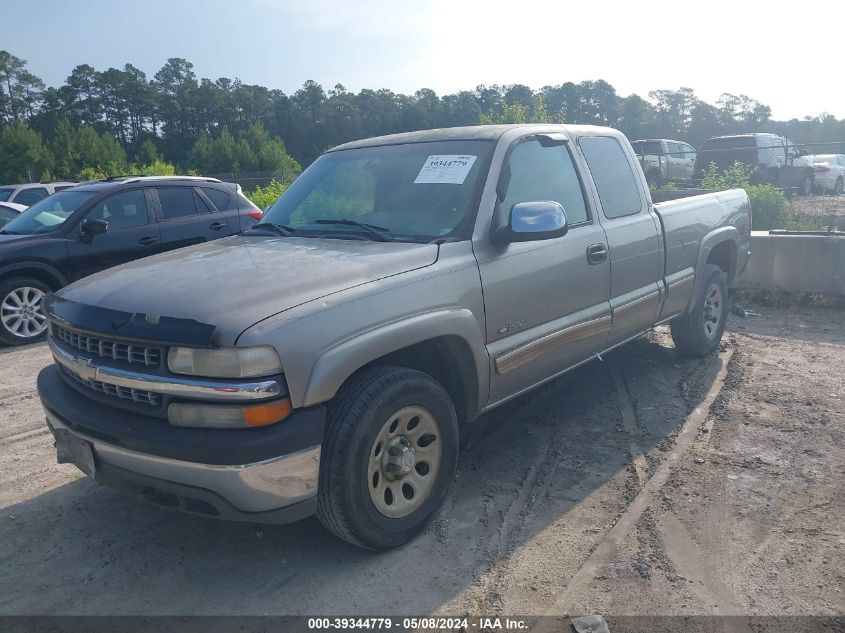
378	232
281	229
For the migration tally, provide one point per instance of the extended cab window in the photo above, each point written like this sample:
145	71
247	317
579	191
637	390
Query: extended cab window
122	210
612	173
176	202
545	173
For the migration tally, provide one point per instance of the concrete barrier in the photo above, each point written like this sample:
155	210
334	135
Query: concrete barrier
799	262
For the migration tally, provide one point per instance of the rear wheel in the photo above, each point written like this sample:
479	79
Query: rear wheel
808	186
698	332
22	317
837	188
389	454
653	179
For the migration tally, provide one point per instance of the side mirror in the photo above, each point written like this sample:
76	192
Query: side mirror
530	221
90	228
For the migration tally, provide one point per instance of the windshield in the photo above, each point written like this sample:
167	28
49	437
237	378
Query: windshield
413	192
47	214
5	194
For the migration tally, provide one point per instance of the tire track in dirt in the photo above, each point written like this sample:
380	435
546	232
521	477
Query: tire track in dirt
627	522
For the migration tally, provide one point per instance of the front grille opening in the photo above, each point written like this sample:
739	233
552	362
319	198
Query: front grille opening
124	393
106	348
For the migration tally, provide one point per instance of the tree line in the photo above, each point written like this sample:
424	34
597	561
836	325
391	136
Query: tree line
119	121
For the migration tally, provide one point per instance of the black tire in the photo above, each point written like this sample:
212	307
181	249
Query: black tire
653	179
808	185
690	331
837	188
11	334
356	417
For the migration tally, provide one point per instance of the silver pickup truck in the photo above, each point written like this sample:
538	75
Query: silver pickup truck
327	360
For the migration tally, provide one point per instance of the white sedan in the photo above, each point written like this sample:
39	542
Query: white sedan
829	172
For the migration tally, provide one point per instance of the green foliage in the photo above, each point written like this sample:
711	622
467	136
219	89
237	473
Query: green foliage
23	156
156	168
91	173
225	126
770	209
263	197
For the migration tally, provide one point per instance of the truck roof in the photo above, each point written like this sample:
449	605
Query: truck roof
465	133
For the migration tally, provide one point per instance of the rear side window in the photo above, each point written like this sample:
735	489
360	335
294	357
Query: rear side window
202	205
614	178
545	173
5	194
176	202
220	199
30	196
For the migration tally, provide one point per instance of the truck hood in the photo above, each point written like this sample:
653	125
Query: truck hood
235	282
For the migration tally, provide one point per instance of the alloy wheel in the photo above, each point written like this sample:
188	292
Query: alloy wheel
22	312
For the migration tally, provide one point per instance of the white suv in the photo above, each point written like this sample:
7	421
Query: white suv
28	194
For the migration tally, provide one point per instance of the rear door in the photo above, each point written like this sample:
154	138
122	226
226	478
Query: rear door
546	301
633	235
185	217
132	233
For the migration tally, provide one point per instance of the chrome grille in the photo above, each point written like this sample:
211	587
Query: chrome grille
105	348
124	393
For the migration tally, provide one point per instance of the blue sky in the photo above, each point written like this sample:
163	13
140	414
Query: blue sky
779	56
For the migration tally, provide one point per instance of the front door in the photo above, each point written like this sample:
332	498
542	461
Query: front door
131	234
546	302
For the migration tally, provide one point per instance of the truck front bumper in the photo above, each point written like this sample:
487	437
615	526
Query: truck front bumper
276	488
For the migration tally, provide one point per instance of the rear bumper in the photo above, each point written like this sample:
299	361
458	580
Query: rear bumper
277	487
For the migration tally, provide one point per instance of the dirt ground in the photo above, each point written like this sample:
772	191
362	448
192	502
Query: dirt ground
830	207
647	484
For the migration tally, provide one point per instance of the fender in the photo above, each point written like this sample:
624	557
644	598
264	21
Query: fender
10	269
338	363
716	236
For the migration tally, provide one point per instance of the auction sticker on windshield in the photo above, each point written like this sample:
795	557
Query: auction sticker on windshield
445	168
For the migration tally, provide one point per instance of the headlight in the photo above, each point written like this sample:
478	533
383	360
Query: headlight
229	362
223	416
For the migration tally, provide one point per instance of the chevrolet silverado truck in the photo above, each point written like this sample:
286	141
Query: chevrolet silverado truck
327	360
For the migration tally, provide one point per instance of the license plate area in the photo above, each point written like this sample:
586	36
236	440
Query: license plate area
73	450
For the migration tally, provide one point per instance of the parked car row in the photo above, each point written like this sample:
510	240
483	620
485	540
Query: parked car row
28	194
773	159
78	231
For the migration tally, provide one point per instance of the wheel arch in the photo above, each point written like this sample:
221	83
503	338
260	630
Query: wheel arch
42	272
446	344
720	247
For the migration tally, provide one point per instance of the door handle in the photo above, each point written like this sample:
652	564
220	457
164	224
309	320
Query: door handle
147	240
596	253
216	226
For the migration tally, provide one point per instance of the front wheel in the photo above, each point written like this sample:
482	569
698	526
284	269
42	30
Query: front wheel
389	454
22	317
698	332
